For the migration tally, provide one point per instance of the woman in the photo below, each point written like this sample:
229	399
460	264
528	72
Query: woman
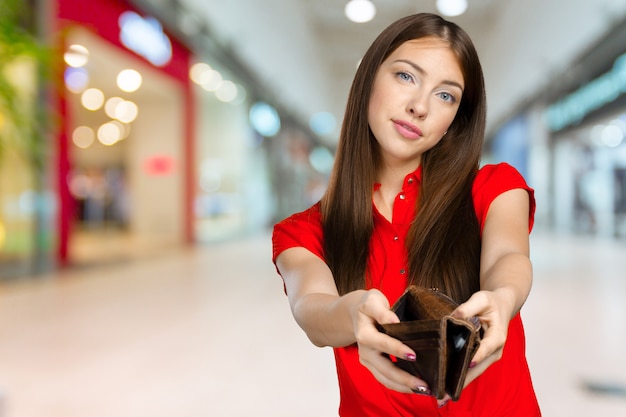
407	204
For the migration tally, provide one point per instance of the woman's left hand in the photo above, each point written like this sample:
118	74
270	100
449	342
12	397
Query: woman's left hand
494	310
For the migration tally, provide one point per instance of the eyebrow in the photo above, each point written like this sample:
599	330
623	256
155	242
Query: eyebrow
423	72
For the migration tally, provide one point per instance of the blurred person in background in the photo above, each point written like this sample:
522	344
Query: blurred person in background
408	204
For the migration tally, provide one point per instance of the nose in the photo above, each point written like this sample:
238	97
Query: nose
418	106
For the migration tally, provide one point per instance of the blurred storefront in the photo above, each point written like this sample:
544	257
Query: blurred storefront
590	175
125	140
571	143
588	132
156	142
255	162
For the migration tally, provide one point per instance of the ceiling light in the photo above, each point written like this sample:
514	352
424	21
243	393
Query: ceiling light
109	134
226	92
124	128
92	99
76	56
129	80
360	11
83	136
452	7
111	105
199	72
126	111
212	81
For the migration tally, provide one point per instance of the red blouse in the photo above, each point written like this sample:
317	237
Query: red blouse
504	389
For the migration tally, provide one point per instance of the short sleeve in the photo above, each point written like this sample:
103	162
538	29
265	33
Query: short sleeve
493	180
302	229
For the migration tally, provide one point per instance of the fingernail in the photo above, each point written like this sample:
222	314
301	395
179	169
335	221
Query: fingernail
443	404
410	357
422	390
472	364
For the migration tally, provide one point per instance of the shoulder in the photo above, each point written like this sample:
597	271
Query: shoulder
311	215
303	229
495	179
500	175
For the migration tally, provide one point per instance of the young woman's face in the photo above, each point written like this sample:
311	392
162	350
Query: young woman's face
415	96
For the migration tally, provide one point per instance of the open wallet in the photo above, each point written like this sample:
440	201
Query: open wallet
444	345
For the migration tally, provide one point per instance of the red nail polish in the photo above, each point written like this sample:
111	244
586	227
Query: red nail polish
410	357
472	364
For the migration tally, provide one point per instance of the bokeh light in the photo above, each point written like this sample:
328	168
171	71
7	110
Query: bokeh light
323	123
321	159
226	92
76	56
452	7
213	80
76	79
265	119
126	111
129	80
109	134
199	72
92	99
360	11
83	137
110	107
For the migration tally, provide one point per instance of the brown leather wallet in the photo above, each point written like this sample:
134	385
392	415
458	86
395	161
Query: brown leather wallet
444	345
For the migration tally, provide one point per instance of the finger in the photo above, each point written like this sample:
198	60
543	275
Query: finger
392	376
490	345
384	316
477	305
441	403
377	307
370	337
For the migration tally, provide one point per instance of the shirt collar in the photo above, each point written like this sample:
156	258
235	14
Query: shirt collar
414	177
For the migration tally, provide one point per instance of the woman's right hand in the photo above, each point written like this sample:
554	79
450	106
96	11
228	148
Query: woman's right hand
332	320
371	309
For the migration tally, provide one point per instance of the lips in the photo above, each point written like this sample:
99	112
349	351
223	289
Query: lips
408	130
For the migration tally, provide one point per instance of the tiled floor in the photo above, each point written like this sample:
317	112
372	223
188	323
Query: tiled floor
208	332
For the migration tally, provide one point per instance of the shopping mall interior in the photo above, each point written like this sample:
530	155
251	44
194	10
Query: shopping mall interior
148	147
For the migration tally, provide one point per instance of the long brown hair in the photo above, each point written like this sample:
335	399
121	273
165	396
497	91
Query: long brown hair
444	240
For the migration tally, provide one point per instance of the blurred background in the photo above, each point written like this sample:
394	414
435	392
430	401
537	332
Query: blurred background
148	146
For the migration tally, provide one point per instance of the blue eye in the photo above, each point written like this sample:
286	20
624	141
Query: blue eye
447	97
404	76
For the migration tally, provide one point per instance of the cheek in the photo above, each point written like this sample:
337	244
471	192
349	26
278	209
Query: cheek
376	100
446	120
373	109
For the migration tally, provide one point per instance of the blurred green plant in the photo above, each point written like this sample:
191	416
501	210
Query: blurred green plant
22	115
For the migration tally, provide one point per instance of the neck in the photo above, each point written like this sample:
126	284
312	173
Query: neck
391	180
391	176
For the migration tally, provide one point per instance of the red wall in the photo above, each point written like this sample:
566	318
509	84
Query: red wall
101	17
